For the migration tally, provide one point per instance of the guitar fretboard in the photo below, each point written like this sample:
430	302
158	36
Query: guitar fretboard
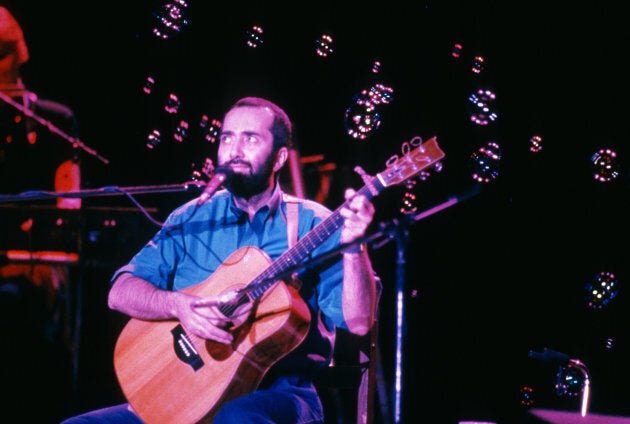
410	164
305	245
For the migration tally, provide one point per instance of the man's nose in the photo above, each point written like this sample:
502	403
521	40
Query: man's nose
236	148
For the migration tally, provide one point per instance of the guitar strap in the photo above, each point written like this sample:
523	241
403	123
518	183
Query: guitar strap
292	230
292	219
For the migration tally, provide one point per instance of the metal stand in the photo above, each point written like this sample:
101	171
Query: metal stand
565	362
402	238
397	229
76	143
401	234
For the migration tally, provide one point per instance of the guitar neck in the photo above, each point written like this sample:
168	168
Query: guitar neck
307	244
410	164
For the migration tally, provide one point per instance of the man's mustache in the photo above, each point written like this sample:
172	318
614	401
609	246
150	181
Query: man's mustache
237	162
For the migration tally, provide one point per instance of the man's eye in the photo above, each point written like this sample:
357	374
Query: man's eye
230	138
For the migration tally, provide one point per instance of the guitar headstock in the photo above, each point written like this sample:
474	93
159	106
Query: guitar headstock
412	162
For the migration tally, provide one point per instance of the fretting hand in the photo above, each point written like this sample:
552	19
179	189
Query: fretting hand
358	214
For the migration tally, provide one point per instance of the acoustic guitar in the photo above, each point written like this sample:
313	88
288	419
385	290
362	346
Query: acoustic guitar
170	376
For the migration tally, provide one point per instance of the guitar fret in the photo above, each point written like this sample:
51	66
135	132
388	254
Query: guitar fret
292	257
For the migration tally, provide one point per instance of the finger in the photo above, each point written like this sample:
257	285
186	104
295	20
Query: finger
211	328
217	334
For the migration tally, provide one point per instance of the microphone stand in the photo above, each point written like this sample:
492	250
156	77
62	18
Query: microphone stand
402	238
397	229
52	128
97	192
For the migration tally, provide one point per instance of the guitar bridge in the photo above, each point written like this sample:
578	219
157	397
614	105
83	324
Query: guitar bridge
184	349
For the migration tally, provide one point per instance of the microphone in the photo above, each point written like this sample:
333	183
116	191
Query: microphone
219	177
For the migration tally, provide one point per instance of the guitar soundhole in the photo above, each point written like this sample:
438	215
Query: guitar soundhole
184	349
219	351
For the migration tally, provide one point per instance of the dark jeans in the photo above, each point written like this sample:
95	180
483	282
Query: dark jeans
288	400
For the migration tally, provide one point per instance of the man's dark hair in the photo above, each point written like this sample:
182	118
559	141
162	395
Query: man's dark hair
281	127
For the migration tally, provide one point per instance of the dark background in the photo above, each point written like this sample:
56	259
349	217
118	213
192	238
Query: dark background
486	280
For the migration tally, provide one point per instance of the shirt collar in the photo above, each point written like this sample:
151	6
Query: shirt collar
272	204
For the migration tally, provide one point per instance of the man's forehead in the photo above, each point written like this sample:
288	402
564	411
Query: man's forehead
250	114
262	109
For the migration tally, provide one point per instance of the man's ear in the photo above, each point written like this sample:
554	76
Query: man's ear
281	158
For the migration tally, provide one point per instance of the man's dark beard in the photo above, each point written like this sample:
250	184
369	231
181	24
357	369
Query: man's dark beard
248	185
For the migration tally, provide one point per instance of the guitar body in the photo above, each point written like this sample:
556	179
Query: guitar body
169	376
